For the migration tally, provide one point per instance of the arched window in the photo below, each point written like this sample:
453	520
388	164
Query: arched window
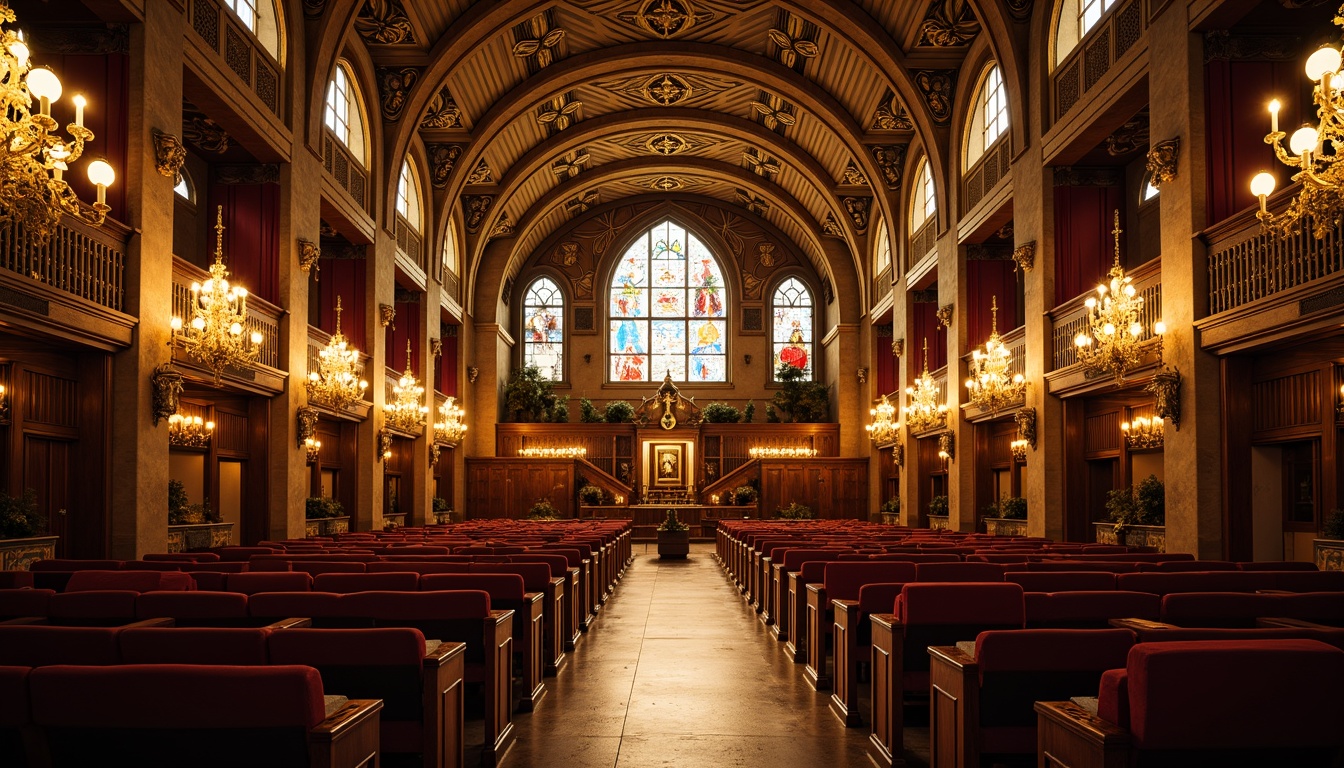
1150	192
988	118
408	196
669	310
1076	18
925	203
185	189
792	330
260	19
448	259
544	328
343	114
881	246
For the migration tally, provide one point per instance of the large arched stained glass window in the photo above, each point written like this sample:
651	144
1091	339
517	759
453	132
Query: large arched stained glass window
669	310
544	328
792	329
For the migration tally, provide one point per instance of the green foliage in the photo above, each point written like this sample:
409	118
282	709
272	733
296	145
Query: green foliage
590	495
721	413
620	412
588	413
749	413
1334	525
177	498
799	401
559	412
543	510
1013	508
891	506
743	495
938	505
673	523
19	516
1151	499
528	397
441	504
180	512
795	511
322	507
770	416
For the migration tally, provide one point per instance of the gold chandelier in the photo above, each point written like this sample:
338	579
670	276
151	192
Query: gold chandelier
884	428
336	383
189	431
312	450
1144	432
989	385
1110	341
450	428
33	192
924	411
1320	172
219	313
407	410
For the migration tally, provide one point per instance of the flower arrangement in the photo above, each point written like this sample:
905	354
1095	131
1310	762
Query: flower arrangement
743	495
590	495
672	523
543	510
322	508
19	516
795	511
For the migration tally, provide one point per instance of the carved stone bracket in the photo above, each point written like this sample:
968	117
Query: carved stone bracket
937	86
473	373
1162	161
305	419
862	374
947	446
898	347
386	315
436	347
309	253
898	454
394	86
1026	425
169	155
1166	391
944	315
384	444
1024	256
433	455
167	383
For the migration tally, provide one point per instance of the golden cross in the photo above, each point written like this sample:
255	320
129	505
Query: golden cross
1117	232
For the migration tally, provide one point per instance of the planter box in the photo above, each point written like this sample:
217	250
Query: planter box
1154	536
198	536
398	520
19	554
674	545
326	526
938	523
891	518
1329	554
442	518
1003	526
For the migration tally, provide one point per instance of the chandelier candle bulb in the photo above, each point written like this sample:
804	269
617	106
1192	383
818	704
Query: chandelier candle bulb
1274	115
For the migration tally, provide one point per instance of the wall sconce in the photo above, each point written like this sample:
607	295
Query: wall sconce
167	383
1019	450
898	454
473	373
433	455
384	444
947	446
309	253
189	431
312	449
1166	391
746	359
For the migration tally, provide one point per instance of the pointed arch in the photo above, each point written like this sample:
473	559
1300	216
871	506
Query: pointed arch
793	328
344	112
543	326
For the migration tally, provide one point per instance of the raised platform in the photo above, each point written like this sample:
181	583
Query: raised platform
646	517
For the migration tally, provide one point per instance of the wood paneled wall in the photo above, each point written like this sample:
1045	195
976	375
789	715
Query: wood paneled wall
508	487
834	488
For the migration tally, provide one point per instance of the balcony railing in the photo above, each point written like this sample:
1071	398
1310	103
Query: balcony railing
1095	54
344	169
409	243
986	173
262	316
222	32
1071	317
80	259
922	243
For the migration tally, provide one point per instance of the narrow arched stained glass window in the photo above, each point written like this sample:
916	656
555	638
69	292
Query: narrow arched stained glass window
792	328
668	310
544	328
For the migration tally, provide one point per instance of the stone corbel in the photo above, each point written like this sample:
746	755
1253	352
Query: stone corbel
473	373
898	347
1024	256
306	422
309	253
436	347
862	373
1162	160
167	383
1026	425
898	454
1166	391
947	446
386	315
433	455
169	155
944	314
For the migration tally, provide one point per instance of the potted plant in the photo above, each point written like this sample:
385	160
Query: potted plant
1137	516
794	511
194	526
720	413
543	510
22	529
674	538
590	496
798	400
619	412
1330	546
443	511
891	511
1007	517
938	517
529	398
744	495
588	413
325	516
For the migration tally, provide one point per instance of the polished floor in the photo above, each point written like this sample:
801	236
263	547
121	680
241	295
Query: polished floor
679	671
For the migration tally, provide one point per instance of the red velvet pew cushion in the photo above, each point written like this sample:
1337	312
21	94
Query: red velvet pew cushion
1051	650
16	579
345	583
843	580
1218	609
1309	581
66	564
1320	607
1062	581
191	605
1063	608
1278	565
35	645
1214	581
15	603
1082	565
135	581
316	569
1113	697
194	645
558	564
960	572
391	646
878	598
151	696
183	557
253	583
282	605
795	558
500	586
1328	635
418	606
14	696
106	604
960	603
411	566
536	576
1235	694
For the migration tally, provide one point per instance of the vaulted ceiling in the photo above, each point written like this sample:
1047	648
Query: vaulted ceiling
533	112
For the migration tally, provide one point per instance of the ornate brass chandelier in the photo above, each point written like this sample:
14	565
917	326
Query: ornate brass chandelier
407	409
215	334
450	428
1320	172
336	383
884	427
33	192
924	411
989	385
1110	341
1144	432
189	431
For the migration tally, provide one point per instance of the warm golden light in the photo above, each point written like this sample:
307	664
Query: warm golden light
924	411
772	452
337	383
1102	346
219	312
884	428
450	428
990	386
407	409
1144	432
571	452
189	431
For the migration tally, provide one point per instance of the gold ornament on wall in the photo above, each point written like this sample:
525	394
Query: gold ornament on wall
169	155
947	446
384	444
386	315
1162	160
167	383
1112	336
1024	256
305	419
309	253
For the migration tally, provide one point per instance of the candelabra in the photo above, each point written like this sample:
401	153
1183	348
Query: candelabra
572	452
336	383
215	334
924	411
769	452
312	449
189	431
33	191
450	429
407	410
1019	450
1110	341
1144	432
990	387
884	427
1314	151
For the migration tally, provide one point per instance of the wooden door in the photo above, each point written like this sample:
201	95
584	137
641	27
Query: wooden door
46	469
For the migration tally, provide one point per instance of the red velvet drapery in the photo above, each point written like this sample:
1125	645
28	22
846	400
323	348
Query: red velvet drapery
1084	245
885	364
407	330
926	326
104	80
251	234
446	374
343	278
987	280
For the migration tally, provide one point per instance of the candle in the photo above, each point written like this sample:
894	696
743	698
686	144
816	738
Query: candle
79	110
1274	116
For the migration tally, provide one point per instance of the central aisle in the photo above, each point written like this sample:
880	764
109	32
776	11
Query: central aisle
679	671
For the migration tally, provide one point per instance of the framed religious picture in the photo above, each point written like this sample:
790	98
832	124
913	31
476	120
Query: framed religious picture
668	465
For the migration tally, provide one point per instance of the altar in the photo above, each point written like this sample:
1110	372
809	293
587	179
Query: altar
702	518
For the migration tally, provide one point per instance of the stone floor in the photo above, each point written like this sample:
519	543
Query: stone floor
679	671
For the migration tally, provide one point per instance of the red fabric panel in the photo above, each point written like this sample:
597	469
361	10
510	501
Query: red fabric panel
104	80
885	365
558	565
13	697
40	646
94	604
878	598
345	583
152	696
59	564
1309	581
135	581
191	605
536	576
194	645
1113	697
408	327
343	278
252	583
1082	605
965	603
946	572
1201	608
1052	650
16	579
500	586
794	558
1320	607
318	568
447	367
925	326
251	235
24	602
1281	565
1062	581
1236	97
409	566
402	606
283	605
989	280
388	646
1084	245
1215	581
844	580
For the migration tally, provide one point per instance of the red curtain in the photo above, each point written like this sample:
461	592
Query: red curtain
343	278
885	363
251	234
1084	245
988	280
1236	96
926	326
447	373
407	330
104	80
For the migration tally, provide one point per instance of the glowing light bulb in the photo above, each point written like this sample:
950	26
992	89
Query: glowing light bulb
1303	140
1159	327
1262	185
1324	61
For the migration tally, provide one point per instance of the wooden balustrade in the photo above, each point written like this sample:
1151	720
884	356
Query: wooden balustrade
79	258
409	244
1069	318
992	166
221	31
922	243
1084	67
452	286
345	170
262	316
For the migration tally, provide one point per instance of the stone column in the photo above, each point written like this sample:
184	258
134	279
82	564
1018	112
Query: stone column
953	289
138	515
842	347
420	478
1192	457
380	287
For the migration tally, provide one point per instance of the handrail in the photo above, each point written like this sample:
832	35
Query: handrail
79	259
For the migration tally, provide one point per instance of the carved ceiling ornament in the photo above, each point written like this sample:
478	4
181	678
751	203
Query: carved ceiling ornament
1223	44
1130	137
1024	256
394	85
442	111
665	89
852	176
773	111
477	206
761	163
583	202
540	45
765	254
666	144
442	158
665	18
794	46
752	202
204	133
384	22
559	113
830	227
944	315
857	208
891	162
247	173
313	9
169	155
1162	161
503	227
898	347
948	23
892	115
1020	10
571	165
937	85
482	174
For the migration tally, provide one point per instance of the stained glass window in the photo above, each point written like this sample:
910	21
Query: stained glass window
544	328
792	329
668	310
